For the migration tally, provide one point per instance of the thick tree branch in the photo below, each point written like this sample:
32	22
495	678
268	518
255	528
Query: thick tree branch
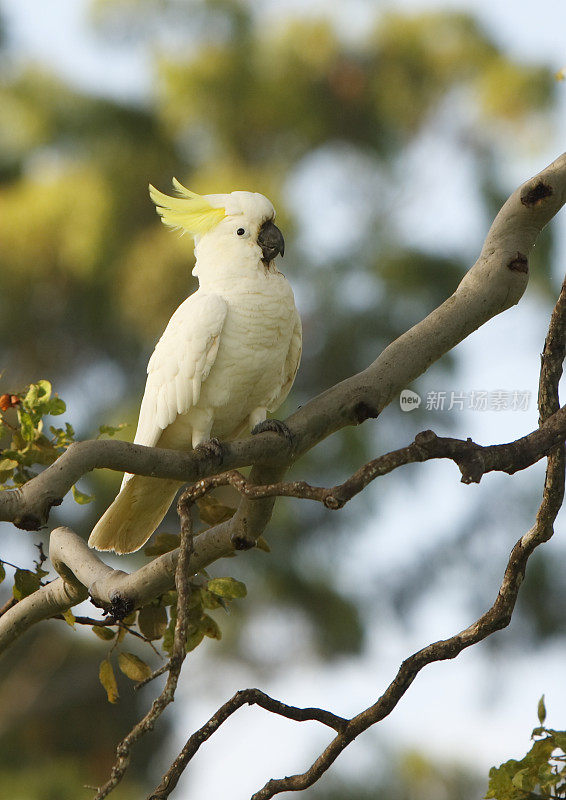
495	282
83	573
499	615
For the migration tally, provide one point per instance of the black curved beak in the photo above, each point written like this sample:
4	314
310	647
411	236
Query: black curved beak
271	241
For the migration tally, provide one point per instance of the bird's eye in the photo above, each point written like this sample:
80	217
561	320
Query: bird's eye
241	231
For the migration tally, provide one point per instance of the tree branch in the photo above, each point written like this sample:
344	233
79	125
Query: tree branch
499	615
243	697
182	584
83	573
495	283
496	618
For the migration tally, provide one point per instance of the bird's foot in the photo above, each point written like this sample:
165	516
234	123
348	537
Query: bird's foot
212	449
276	426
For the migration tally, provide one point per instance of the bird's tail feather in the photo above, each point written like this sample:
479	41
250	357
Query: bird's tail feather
134	515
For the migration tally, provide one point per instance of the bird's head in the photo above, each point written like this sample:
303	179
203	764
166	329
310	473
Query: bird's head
234	233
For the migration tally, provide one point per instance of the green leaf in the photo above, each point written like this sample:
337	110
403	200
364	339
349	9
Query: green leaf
194	638
2	572
27	428
541	710
81	498
559	739
152	622
210	601
162	543
169	598
44	389
227	588
522	780
111	430
37	392
25	583
42	451
133	667
130	618
56	406
500	782
210	627
195	634
8	465
103	632
108	680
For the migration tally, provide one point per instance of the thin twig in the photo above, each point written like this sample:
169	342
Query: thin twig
243	697
152	677
182	583
500	613
550	436
474	461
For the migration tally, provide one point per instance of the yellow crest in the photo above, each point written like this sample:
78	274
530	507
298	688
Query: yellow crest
190	212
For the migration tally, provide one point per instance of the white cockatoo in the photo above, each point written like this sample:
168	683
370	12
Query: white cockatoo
228	355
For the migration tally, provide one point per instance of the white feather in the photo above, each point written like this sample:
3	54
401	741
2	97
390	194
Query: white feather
229	352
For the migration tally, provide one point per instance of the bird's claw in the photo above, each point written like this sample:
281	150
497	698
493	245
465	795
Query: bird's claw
211	448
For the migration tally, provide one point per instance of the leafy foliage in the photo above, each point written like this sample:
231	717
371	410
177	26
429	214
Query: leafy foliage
29	445
156	623
541	773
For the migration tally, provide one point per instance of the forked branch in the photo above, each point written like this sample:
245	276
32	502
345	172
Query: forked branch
495	283
496	618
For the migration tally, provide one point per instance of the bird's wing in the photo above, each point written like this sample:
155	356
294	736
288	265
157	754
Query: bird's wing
291	363
181	361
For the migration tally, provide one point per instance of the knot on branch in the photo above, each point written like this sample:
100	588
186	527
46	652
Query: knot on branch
120	605
467	455
242	542
363	411
334	503
28	521
519	264
471	464
535	195
425	439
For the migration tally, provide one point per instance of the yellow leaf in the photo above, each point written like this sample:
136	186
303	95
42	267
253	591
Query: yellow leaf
162	543
69	618
261	544
133	667
152	622
103	632
108	680
212	511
